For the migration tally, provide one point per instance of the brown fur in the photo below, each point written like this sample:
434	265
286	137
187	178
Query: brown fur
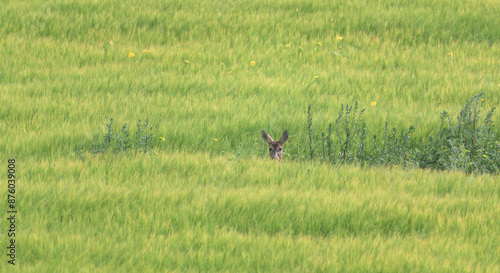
275	147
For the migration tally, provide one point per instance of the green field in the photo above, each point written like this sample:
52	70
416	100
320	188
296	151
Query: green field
210	75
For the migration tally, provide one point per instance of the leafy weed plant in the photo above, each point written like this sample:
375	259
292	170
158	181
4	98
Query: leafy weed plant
470	144
116	141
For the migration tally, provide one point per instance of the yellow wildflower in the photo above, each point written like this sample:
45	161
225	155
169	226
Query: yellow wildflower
186	61
146	51
162	138
110	43
373	103
131	55
316	77
252	63
229	72
451	54
482	99
340	37
289	45
216	139
319	43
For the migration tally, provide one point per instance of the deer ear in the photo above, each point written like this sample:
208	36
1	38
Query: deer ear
267	138
284	137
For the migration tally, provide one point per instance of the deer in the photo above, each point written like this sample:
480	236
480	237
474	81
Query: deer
275	147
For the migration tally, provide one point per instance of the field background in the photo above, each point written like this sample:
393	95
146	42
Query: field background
210	200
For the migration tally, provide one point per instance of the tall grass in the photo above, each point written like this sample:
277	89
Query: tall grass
245	215
209	202
57	67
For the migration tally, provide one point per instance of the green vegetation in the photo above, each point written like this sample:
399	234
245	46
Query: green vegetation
209	75
469	144
197	212
120	141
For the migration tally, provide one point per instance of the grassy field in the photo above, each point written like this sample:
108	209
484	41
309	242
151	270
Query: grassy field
210	75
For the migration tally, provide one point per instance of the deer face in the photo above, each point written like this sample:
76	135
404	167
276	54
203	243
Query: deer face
275	147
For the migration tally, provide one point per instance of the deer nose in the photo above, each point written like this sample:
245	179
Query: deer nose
274	155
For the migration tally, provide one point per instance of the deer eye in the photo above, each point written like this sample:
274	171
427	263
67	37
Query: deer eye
281	149
270	149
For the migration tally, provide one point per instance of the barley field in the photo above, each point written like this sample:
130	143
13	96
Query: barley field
206	77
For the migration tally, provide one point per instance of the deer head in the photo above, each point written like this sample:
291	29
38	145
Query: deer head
275	147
